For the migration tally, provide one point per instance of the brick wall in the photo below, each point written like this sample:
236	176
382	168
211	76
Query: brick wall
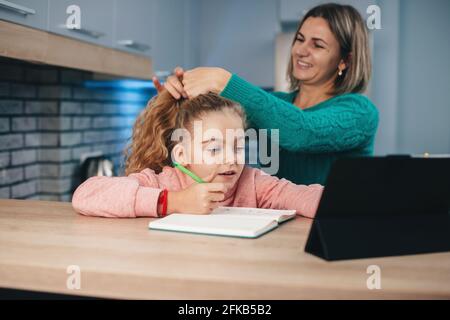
49	118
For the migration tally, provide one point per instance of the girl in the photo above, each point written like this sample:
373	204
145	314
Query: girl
153	188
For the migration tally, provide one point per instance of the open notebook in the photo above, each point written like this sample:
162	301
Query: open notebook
225	221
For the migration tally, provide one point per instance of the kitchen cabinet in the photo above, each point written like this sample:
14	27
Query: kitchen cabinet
163	30
151	28
132	27
96	20
32	13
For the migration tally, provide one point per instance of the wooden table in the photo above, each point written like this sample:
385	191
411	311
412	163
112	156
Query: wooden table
121	258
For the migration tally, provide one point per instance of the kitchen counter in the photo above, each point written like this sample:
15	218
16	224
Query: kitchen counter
121	258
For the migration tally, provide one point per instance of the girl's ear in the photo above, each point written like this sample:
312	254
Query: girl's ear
180	155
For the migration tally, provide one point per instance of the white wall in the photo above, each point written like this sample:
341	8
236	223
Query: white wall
234	34
283	43
385	76
239	35
412	77
174	29
424	86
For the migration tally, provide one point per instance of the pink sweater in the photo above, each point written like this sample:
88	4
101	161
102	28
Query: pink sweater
137	195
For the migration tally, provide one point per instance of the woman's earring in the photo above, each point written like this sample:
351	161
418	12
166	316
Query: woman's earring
340	73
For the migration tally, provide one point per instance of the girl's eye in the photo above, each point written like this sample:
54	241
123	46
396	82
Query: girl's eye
299	39
317	46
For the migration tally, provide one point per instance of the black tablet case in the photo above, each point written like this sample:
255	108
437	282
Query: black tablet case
383	206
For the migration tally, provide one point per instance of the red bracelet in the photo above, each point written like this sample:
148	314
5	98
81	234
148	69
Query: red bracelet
163	201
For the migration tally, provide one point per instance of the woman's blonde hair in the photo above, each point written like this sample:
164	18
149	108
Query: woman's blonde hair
151	143
349	28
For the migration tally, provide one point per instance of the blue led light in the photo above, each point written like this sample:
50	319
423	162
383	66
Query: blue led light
120	84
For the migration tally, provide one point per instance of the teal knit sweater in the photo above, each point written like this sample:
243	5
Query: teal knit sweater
311	139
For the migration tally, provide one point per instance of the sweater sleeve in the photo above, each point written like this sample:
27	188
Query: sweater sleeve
350	123
275	193
118	197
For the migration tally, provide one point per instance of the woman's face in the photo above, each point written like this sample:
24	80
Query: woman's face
316	53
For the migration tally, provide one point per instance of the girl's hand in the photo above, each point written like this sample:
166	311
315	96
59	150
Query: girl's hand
198	198
203	80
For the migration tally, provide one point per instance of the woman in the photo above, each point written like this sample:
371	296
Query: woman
325	116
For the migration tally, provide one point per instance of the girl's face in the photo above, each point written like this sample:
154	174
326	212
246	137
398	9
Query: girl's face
218	147
316	53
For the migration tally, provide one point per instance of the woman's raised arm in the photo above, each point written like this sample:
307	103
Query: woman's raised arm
349	124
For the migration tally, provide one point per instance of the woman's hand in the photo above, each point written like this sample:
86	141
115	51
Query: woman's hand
194	82
174	85
203	80
198	198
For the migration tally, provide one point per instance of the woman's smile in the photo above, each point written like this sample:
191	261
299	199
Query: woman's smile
303	65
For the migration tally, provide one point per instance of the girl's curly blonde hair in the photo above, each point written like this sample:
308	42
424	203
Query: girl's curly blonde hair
151	144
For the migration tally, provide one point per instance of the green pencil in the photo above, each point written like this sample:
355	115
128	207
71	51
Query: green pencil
189	173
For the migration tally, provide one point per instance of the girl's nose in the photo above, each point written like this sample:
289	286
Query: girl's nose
230	157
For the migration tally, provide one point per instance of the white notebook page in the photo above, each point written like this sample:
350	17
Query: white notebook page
218	224
278	215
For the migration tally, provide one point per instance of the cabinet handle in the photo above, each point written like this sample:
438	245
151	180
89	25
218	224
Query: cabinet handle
134	44
16	8
84	31
90	33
